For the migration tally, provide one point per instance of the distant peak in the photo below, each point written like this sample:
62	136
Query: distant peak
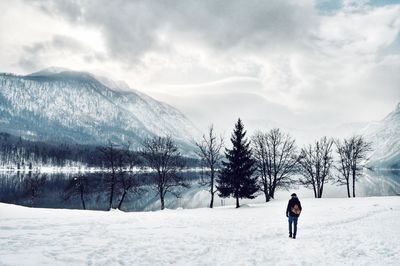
396	109
395	114
56	69
49	71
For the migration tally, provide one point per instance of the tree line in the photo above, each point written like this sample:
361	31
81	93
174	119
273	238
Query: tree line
264	162
19	153
270	160
156	166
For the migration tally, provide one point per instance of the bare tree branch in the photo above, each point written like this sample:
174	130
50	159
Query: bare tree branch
353	157
315	165
209	150
165	160
276	160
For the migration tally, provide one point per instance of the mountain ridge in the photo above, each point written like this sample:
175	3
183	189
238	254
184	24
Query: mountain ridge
78	107
385	138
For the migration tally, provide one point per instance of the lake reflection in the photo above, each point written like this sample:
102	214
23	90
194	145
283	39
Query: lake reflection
49	191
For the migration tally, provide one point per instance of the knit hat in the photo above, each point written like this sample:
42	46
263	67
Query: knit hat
294	195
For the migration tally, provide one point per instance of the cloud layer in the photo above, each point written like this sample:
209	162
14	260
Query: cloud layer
291	63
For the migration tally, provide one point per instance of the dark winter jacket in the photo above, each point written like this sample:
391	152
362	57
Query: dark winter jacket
293	201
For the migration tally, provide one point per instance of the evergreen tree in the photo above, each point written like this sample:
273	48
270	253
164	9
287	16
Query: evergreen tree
236	177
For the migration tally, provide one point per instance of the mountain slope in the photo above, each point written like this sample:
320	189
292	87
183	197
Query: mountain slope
60	105
385	138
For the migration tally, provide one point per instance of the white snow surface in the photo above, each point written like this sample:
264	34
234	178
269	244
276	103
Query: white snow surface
360	231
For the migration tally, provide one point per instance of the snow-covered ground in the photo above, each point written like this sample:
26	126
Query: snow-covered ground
361	231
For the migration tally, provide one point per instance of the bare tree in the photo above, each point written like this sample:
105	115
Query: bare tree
209	150
129	177
276	160
164	159
260	154
344	163
77	186
315	165
113	161
352	160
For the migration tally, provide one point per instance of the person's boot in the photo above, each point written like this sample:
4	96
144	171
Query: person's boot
290	235
294	236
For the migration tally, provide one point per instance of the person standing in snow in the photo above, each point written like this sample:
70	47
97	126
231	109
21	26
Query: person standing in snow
293	211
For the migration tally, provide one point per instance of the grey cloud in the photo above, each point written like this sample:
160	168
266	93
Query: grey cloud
30	56
33	56
313	64
71	10
131	28
61	41
249	24
35	48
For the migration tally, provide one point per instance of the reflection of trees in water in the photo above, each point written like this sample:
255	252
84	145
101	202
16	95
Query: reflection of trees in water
381	183
74	190
34	185
14	188
77	186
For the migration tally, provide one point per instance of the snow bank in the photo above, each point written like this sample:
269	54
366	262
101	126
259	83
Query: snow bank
361	231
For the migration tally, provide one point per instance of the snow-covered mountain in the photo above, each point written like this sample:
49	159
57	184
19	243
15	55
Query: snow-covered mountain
385	138
57	104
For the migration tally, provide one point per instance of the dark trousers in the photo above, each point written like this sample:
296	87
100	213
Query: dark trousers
293	220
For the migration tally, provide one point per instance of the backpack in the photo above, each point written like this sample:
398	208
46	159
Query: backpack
296	210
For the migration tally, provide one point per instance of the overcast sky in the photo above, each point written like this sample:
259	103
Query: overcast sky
287	63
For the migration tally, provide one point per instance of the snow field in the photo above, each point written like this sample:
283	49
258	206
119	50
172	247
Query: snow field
360	231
